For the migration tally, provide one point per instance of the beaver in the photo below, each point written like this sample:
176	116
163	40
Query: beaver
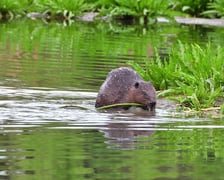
124	85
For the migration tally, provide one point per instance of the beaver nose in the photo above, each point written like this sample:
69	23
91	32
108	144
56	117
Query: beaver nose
152	106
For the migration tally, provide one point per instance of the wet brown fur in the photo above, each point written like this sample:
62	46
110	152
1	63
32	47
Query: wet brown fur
124	85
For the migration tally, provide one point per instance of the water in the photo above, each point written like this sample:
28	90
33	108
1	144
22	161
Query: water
49	128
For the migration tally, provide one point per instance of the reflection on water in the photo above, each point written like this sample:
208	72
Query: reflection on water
49	128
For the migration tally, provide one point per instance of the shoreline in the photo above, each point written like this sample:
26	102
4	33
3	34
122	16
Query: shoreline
94	16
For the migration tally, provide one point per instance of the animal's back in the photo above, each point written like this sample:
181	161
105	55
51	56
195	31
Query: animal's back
116	86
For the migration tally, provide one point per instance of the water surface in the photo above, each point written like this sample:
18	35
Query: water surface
49	128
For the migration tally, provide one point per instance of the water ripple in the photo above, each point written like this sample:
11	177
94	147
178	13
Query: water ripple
74	109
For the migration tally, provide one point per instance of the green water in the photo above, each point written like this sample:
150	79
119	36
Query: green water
49	128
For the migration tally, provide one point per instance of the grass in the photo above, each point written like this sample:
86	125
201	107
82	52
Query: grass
192	75
215	9
9	9
57	8
135	11
191	7
140	11
75	7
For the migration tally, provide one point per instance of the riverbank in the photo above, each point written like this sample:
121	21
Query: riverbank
94	16
191	75
129	12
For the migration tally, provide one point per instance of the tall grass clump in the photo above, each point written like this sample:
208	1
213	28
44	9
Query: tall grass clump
142	11
9	9
56	8
192	7
61	8
215	9
75	7
192	75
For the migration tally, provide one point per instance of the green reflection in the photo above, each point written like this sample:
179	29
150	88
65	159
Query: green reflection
78	154
51	55
79	56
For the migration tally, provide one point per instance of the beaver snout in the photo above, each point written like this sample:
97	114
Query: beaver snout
152	106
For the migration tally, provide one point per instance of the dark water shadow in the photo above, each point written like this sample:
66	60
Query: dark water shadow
124	135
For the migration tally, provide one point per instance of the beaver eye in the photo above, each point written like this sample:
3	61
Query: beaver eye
145	94
136	85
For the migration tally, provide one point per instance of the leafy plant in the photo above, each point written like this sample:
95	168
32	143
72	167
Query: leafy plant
135	11
64	7
215	9
75	6
142	11
7	5
8	8
192	7
192	75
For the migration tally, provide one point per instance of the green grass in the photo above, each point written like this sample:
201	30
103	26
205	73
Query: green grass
192	75
215	9
60	6
9	9
63	8
138	11
191	7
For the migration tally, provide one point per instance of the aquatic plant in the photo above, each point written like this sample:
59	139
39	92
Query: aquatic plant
75	6
8	8
60	8
142	11
192	75
133	11
192	7
65	9
215	9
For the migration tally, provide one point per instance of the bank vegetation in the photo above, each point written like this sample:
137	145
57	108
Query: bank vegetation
131	11
190	75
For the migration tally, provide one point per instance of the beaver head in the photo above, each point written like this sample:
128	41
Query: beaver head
143	93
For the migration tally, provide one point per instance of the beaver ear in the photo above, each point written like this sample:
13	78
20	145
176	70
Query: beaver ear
136	85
